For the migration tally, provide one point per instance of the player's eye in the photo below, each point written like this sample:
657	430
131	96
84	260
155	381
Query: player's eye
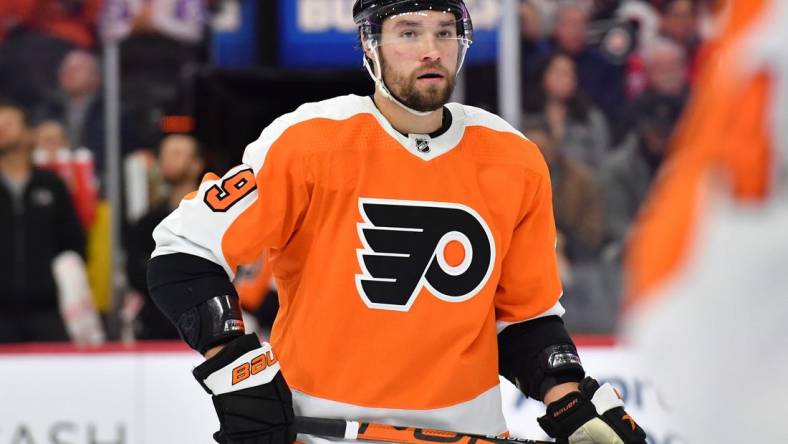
408	35
445	34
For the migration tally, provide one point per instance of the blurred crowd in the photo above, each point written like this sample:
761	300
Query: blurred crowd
604	83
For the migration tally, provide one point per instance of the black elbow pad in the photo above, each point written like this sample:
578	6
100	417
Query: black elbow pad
197	297
536	355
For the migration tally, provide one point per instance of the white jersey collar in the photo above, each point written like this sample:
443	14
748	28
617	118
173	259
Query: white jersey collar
424	146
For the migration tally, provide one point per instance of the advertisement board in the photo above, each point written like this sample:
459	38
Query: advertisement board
321	33
147	395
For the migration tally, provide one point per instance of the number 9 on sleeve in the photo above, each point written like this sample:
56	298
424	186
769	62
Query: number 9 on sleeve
221	197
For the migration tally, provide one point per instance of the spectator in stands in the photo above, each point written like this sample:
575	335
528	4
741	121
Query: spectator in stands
38	224
680	24
554	98
531	31
666	68
577	199
75	167
579	217
79	105
70	20
35	35
628	173
51	138
598	77
666	76
181	165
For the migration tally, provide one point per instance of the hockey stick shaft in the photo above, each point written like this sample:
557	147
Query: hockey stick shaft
368	431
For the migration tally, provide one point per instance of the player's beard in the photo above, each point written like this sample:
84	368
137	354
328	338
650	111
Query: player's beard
406	91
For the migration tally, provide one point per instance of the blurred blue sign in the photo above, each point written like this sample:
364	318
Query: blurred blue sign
321	33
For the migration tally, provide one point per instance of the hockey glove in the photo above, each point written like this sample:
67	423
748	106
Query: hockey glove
251	397
594	415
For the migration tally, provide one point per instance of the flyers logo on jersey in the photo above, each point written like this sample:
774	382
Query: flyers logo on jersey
409	245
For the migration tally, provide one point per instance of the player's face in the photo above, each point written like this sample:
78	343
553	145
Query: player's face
419	55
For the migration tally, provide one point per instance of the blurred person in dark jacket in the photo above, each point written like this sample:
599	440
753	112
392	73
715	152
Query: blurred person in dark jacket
38	224
667	75
630	170
180	164
79	104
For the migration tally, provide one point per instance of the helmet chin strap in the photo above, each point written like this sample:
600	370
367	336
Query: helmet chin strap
377	76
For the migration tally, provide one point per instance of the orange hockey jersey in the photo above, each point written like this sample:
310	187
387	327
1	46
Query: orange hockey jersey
707	262
730	133
397	258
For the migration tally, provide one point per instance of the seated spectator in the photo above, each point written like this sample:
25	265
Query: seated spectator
35	35
181	165
38	226
580	130
680	24
577	199
79	105
74	166
629	172
666	76
598	77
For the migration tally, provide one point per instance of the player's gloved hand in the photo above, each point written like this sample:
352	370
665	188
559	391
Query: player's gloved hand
594	415
251	397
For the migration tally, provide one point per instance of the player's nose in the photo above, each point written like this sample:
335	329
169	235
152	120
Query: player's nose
430	49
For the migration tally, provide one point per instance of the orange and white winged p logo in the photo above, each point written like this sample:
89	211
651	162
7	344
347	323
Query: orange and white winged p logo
409	245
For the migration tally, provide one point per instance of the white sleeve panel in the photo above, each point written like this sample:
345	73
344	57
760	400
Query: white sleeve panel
478	117
194	228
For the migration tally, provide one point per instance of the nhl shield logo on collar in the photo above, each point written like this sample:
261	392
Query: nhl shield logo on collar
423	145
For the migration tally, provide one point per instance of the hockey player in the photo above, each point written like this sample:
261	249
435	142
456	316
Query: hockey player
412	243
706	265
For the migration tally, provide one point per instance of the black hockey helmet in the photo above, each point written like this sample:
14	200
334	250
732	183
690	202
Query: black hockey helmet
370	14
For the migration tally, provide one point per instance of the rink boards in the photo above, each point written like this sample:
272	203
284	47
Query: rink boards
145	394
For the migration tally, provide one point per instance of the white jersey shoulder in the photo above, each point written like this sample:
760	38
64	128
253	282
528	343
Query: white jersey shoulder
479	117
336	108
